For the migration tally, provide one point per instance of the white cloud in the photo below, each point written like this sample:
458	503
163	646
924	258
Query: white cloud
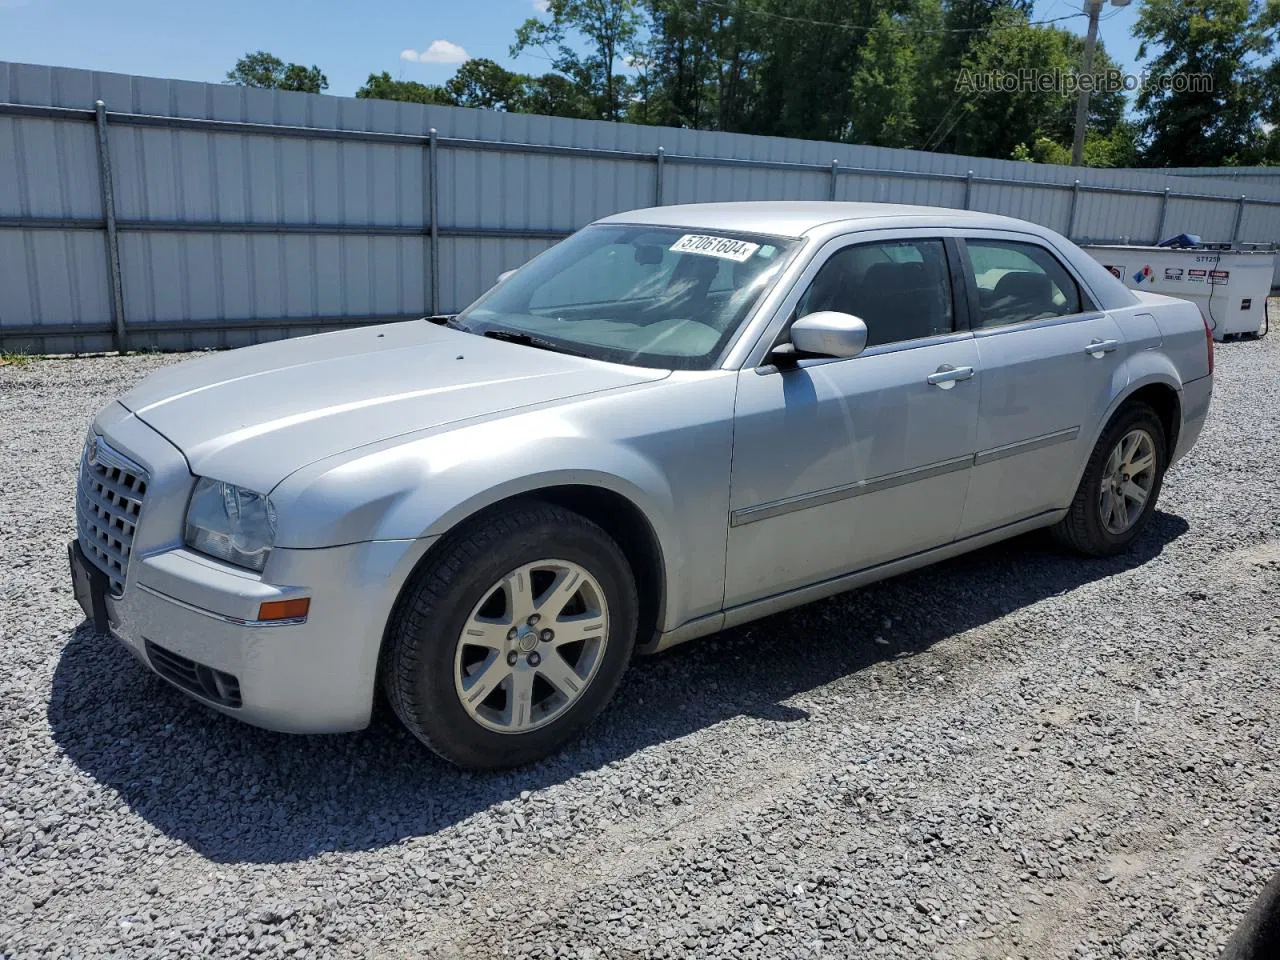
542	6
439	51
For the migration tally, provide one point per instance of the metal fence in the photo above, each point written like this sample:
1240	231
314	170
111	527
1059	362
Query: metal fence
137	212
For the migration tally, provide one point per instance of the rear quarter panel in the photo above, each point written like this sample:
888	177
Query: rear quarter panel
1181	332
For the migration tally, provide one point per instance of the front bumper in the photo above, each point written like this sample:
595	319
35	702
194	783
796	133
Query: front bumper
193	619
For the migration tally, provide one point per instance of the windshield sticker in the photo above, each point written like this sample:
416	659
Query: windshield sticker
722	247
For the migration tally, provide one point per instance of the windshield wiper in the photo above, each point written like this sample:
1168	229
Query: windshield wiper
529	340
445	320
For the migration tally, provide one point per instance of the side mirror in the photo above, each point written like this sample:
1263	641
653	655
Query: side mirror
829	333
503	275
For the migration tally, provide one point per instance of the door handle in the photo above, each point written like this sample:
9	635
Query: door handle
946	376
1097	348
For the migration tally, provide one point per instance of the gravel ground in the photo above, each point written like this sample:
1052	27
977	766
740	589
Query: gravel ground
1014	754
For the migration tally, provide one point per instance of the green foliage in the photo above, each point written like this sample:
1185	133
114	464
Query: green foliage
1119	148
1226	40
894	73
485	84
264	70
608	28
380	86
994	121
886	87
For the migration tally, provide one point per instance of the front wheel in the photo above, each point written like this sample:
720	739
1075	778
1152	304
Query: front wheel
1121	483
512	638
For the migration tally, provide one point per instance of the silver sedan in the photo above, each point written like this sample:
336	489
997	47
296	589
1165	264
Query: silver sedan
674	421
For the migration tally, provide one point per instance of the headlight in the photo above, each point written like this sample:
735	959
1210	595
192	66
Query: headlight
230	523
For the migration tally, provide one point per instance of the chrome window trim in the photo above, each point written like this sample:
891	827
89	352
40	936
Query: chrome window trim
1038	324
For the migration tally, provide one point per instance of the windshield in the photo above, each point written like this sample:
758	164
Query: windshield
649	296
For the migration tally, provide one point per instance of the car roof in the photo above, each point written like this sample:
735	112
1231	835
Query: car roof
796	218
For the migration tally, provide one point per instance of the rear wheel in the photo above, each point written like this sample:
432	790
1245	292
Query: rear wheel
512	638
1121	483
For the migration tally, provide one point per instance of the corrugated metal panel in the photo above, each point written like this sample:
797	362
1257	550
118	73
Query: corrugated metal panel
1210	220
52	276
513	191
223	230
48	169
198	277
1113	217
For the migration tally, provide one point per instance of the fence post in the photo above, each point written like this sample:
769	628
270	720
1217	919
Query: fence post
1164	216
1071	217
657	183
114	284
433	165
835	178
1235	231
968	190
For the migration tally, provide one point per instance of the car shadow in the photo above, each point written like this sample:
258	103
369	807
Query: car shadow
238	794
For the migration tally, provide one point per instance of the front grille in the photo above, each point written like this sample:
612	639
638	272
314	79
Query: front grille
214	685
109	501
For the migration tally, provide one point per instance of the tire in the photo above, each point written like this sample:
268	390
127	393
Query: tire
1089	527
481	580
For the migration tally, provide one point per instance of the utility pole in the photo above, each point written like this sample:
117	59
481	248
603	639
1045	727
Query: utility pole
1093	8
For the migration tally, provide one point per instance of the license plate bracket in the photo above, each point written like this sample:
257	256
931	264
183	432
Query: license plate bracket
89	584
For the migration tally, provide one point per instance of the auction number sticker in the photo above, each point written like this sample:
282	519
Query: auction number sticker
722	247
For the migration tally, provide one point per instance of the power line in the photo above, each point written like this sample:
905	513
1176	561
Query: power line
896	28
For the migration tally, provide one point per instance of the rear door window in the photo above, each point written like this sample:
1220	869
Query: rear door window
1018	282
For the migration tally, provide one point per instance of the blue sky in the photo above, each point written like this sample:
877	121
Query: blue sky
411	39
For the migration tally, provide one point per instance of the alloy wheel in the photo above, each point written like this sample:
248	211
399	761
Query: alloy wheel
531	646
1127	479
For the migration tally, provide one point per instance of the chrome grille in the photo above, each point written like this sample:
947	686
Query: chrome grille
109	501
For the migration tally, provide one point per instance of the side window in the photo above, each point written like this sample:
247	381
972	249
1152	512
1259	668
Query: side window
901	289
1018	282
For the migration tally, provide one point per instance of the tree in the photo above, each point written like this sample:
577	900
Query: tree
965	23
682	56
552	95
380	86
610	29
1206	123
484	84
886	86
994	121
264	70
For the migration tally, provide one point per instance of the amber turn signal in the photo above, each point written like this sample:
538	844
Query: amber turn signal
284	609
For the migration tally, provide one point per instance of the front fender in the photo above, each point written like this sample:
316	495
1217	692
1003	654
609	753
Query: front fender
426	487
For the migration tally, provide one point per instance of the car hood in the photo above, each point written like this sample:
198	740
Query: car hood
255	415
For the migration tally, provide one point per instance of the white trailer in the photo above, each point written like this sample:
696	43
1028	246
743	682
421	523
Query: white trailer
1229	286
